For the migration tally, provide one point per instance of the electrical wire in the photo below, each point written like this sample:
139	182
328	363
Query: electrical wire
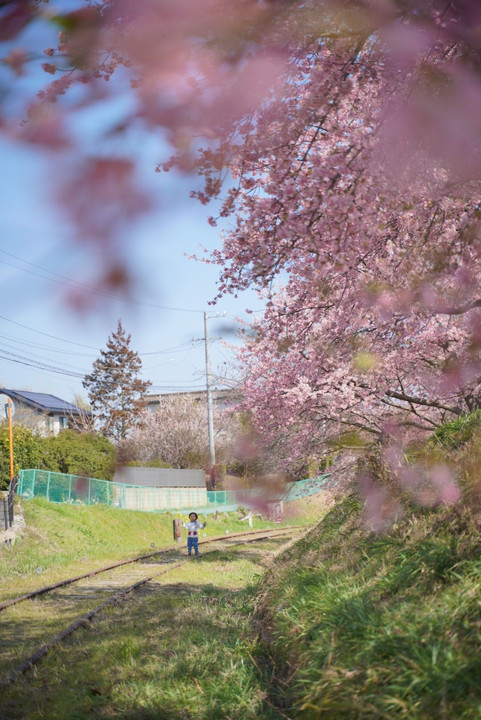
44	347
165	351
70	282
38	358
11	357
54	337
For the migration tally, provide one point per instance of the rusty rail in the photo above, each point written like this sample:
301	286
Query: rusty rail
83	621
68	581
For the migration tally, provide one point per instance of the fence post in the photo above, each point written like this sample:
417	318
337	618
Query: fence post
4	523
48	486
89	492
11	499
177	530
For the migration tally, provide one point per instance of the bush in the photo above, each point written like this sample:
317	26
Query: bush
87	454
155	463
457	432
27	451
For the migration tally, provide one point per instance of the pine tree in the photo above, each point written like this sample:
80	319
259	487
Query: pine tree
116	393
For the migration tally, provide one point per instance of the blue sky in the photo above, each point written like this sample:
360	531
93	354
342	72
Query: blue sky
45	343
47	346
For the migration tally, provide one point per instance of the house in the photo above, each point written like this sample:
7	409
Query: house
223	398
47	414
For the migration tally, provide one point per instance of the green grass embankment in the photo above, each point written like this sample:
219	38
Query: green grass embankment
179	648
361	625
346	623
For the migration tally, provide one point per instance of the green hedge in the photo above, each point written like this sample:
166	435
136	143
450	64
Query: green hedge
88	454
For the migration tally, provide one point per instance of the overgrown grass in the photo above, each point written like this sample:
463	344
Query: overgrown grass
360	625
346	624
180	648
62	536
457	432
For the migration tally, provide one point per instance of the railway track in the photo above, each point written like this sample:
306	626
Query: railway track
139	558
117	583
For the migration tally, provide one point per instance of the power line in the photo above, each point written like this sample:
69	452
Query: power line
54	337
21	360
173	349
179	388
69	371
37	358
70	282
44	347
29	362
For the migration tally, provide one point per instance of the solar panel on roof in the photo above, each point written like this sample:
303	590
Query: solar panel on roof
48	401
41	400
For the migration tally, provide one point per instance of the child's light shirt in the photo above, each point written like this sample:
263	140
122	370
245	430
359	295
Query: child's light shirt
193	528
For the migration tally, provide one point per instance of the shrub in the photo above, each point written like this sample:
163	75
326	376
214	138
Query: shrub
88	454
457	432
27	451
155	463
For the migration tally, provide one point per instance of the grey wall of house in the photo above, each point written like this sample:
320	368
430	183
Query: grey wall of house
160	477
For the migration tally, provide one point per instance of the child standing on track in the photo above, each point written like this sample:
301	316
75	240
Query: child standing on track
193	527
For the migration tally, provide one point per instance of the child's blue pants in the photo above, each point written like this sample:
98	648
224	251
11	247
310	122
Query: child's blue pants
193	542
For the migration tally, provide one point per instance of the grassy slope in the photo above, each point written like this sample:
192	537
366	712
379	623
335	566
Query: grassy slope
179	648
363	625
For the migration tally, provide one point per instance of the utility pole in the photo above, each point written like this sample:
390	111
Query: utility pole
210	418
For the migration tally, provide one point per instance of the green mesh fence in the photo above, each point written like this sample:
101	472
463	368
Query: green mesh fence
60	488
304	488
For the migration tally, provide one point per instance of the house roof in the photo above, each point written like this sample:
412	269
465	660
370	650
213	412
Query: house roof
41	401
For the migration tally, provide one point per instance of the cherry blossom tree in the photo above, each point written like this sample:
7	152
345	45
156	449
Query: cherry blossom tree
340	145
197	76
356	211
177	433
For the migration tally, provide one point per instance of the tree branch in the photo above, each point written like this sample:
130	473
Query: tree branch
427	403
